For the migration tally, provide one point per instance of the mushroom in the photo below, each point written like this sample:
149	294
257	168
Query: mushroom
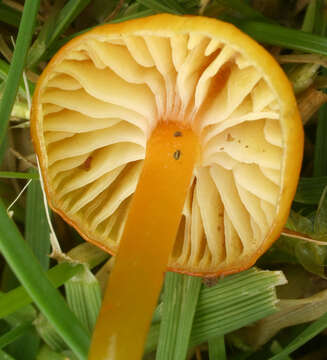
176	140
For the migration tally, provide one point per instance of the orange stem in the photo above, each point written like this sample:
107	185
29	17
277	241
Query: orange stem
146	245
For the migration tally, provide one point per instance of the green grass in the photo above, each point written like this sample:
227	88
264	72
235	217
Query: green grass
49	305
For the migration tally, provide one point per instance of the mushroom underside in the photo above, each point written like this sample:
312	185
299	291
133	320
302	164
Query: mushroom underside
99	107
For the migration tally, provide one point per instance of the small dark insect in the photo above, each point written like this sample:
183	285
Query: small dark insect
177	154
178	134
87	164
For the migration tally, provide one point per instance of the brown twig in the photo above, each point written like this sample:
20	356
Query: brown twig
115	11
198	354
19	156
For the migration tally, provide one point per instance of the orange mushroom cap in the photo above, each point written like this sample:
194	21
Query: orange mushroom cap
99	99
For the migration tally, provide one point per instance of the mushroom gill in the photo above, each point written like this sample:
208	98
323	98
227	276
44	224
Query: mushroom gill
102	100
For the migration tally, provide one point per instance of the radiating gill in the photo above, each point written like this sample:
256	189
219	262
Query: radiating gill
104	101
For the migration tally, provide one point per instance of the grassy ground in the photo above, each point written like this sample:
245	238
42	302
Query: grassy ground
38	321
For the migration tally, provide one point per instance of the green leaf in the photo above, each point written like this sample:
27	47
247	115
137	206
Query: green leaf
309	333
309	190
312	257
24	38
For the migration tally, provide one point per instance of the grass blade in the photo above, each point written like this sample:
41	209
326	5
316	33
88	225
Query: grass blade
3	148
139	14
191	290
244	9
276	348
236	301
179	304
309	333
48	334
9	15
281	36
158	6
24	38
84	297
14	334
5	356
32	276
26	346
37	236
310	16
58	275
85	254
47	354
4	71
37	232
53	28
19	297
174	4
217	348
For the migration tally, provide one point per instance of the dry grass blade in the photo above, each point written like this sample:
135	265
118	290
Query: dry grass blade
303	59
309	103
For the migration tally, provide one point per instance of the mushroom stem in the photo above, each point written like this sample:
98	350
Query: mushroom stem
146	244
